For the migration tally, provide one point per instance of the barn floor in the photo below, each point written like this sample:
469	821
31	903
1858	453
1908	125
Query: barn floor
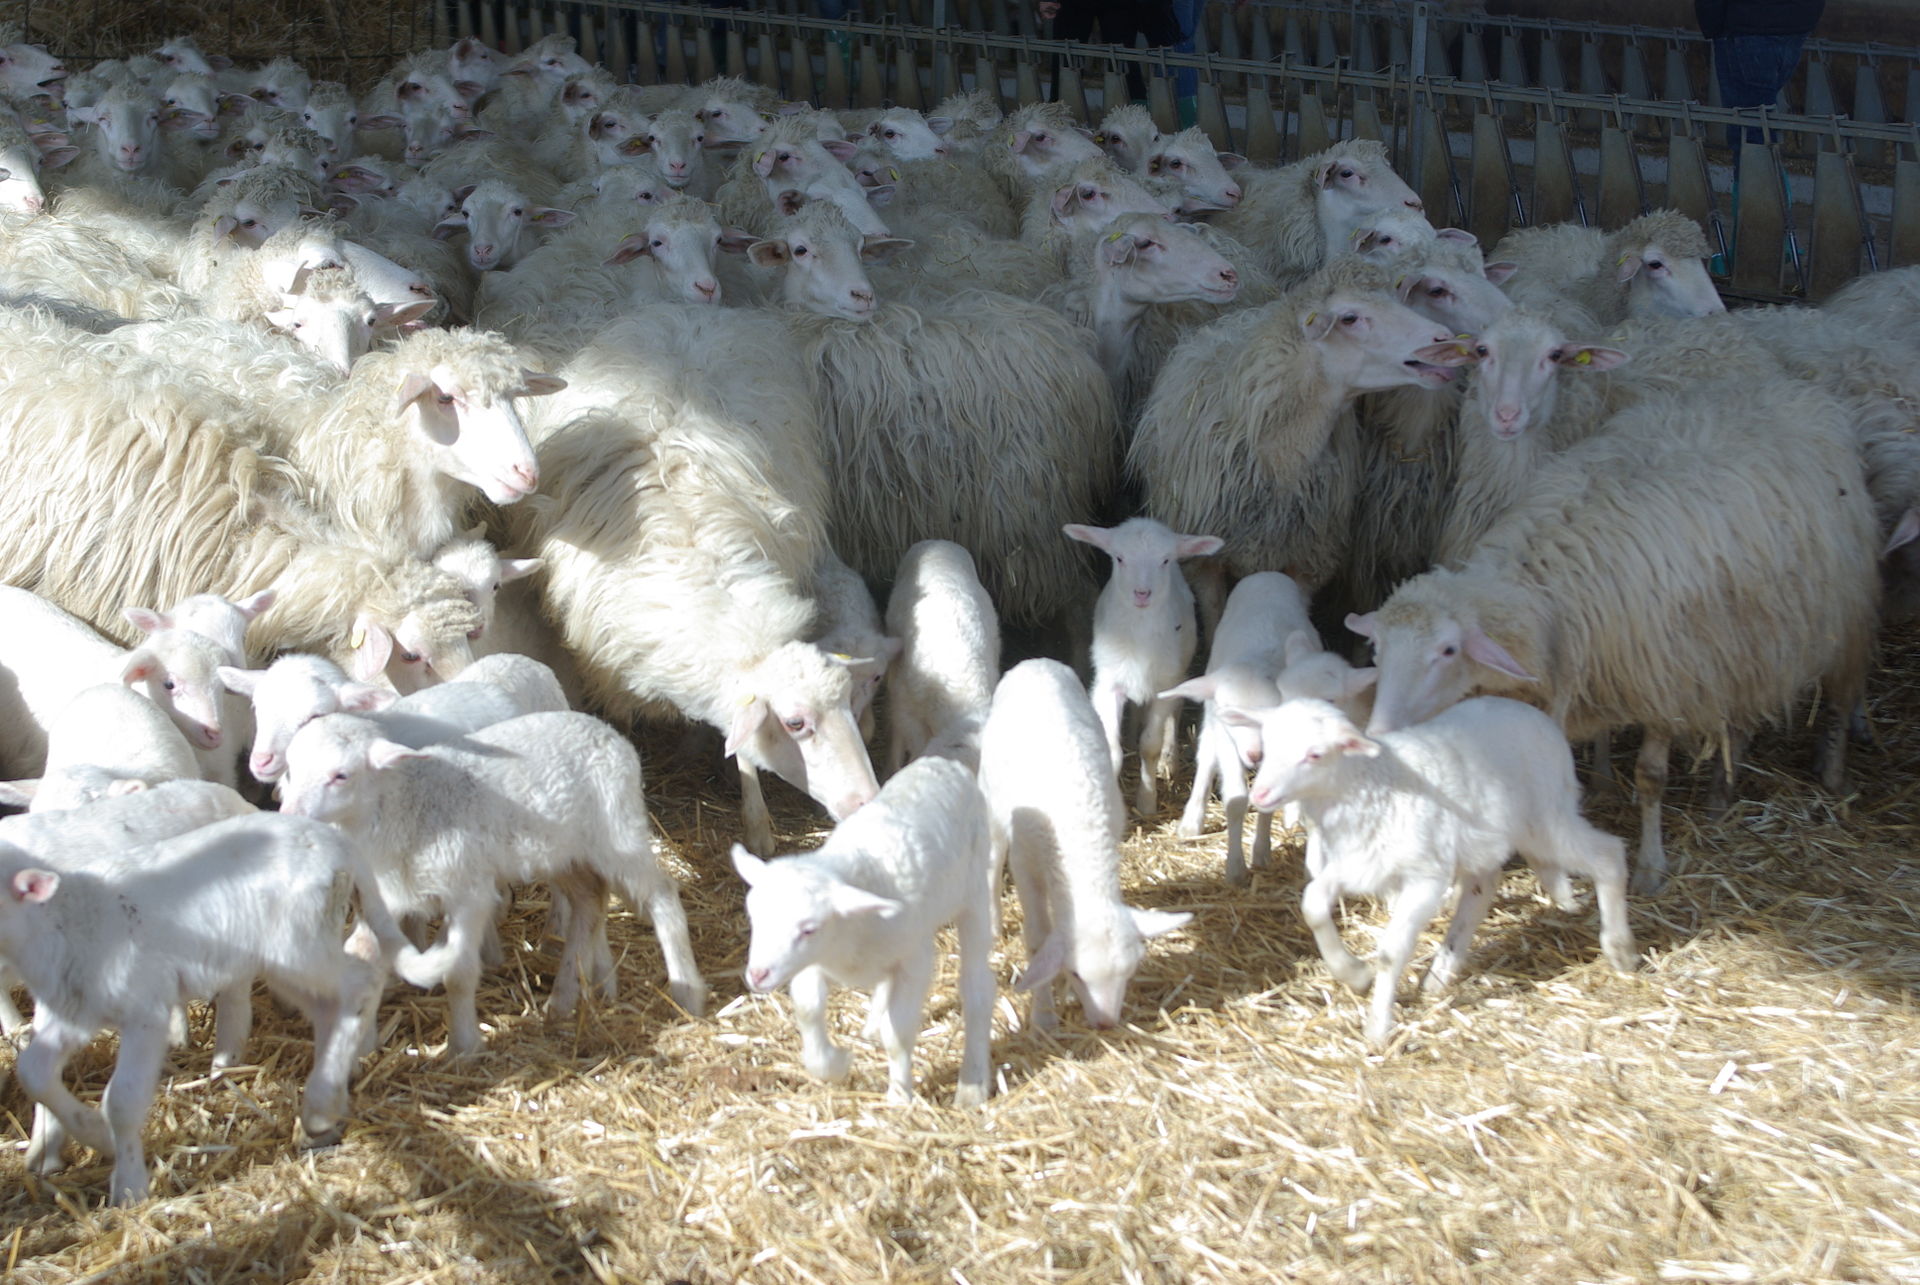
1745	1108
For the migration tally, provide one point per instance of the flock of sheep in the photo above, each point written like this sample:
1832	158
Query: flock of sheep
285	372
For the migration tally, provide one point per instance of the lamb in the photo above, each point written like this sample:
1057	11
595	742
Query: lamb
993	404
949	648
107	740
681	519
1143	637
547	796
1057	816
1250	647
863	910
1576	597
1415	814
1298	216
1246	431
479	566
849	626
188	917
1654	266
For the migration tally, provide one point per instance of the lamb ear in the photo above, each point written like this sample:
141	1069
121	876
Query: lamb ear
385	754
1299	645
1230	160
54	157
880	195
34	885
1045	964
749	866
1099	537
735	240
241	682
746	721
840	149
141	664
19	794
1494	656
1358	746
515	568
1362	625
1194	689
1117	249
771	253
1905	532
1238	717
855	902
789	202
364	698
1197	546
1158	923
548	217
372	647
1499	272
1628	267
631	247
540	384
146	620
1317	325
411	386
281	318
401	314
1323	174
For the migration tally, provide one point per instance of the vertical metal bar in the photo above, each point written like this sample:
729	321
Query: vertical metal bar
1677	80
906	78
1069	90
768	53
1905	248
1491	210
736	47
800	83
1622	194
1314	135
1160	102
1762	227
1840	227
1556	192
873	81
1211	114
1263	142
1473	56
1869	106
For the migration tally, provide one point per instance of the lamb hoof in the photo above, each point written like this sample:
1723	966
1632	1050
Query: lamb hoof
970	1097
690	996
1648	880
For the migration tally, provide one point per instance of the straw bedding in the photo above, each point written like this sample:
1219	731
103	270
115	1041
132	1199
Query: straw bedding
1744	1109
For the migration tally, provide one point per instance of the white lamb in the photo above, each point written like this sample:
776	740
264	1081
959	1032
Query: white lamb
1414	814
863	911
1248	652
1057	816
107	740
949	655
547	796
848	625
1143	637
185	918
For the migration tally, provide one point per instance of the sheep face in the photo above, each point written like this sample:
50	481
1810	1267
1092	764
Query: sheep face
795	717
1125	135
27	70
481	571
1092	201
823	268
675	138
1145	557
474	67
551	59
252	220
1304	742
284	83
1429	659
473	431
1152	261
1660	284
729	120
181	674
288	695
1189	159
1039	147
182	54
128	123
1387	234
1369	342
1351	186
334	118
1453	295
193	101
792	913
20	189
1099	961
682	250
499	223
1518	359
906	135
330	763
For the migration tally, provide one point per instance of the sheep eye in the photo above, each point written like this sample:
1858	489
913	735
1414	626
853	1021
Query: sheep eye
518	212
1437	292
799	250
168	684
795	724
298	324
1346	173
410	657
444	399
655	244
1176	164
1558	354
336	778
1089	193
1449	651
1480	350
1350	319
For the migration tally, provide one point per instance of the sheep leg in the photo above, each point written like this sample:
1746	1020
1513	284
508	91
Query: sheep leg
1859	726
1112	709
124	1105
461	976
1726	766
1036	921
1830	751
56	1112
1233	793
1649	784
684	983
906	1000
1156	737
232	1023
1262	840
823	1058
1601	755
1413	910
1476	898
586	908
1317	906
975	930
754	817
1193	818
11	1019
1207	577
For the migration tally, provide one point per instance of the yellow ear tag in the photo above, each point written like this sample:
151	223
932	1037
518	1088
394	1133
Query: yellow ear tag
747	700
893	174
1622	259
1463	335
758	157
1463	350
1311	316
357	638
1584	359
1115	236
841	656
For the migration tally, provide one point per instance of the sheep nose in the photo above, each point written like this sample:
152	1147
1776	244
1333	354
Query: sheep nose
263	765
863	297
211	736
708	290
1141	597
483	251
1416	203
475	633
34	204
1228	277
1506	415
528	475
1254	756
1231	196
757	978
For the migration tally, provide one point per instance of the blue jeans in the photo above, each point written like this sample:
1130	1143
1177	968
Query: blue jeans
1186	14
1752	70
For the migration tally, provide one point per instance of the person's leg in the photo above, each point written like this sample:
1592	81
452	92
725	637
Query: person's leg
1752	70
1186	81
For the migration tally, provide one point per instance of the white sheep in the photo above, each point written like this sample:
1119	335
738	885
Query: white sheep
546	796
1654	266
103	741
185	918
1249	650
1412	815
1125	134
1058	819
949	649
475	563
1203	176
863	910
1144	637
1298	216
849	625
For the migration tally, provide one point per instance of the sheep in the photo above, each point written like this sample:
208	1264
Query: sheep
1264	613
730	108
1188	158
1032	140
1415	814
185	918
529	82
106	740
1298	216
67	261
1247	433
545	796
1589	596
994	405
22	158
949	648
848	625
863	910
938	195
681	517
790	158
1654	266
330	112
1126	133
479	566
1143	637
27	71
134	490
974	114
1071	200
1058	819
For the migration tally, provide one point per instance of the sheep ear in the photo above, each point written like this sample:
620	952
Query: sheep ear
749	866
1358	680
126	785
852	902
364	698
241	682
401	314
382	755
1158	923
1453	352
254	604
1317	324
1356	745
1118	249
1194	689
281	318
735	240
1592	357
631	247
1323	173
1197	546
146	620
1065	200
769	254
1459	236
53	158
1299	645
411	386
1905	532
1099	537
1045	964
1230	160
880	195
1363	625
1627	268
19	794
548	217
1494	656
372	646
1018	142
141	665
540	384
840	149
383	121
515	568
445	228
746	721
1238	717
940	124
34	886
880	249
789	202
1364	239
